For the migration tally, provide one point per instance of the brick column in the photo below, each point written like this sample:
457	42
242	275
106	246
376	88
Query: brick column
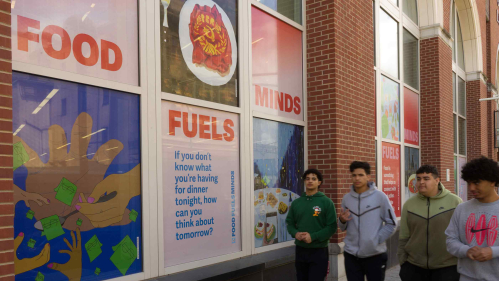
6	193
437	134
476	119
341	92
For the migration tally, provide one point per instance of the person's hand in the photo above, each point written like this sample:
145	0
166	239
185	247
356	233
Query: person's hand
472	252
483	254
299	236
306	238
72	269
27	264
21	195
345	215
82	169
110	212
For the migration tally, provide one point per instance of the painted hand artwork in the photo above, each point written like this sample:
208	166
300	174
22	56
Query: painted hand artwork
75	179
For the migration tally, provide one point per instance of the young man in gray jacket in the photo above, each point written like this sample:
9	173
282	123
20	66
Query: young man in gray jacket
369	220
473	230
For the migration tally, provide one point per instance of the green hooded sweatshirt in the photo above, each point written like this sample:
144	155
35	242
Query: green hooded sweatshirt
314	214
422	239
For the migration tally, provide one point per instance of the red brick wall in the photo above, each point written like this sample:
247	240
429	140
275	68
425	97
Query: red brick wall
437	143
447	17
6	193
476	119
340	91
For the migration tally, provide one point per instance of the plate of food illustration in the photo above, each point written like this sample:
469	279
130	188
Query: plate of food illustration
259	228
412	184
271	231
207	41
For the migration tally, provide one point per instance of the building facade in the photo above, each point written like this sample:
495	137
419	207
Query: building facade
166	139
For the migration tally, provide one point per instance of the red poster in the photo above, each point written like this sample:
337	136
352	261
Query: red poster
411	117
391	174
277	66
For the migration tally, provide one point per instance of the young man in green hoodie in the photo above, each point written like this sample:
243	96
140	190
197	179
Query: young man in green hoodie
312	221
422	248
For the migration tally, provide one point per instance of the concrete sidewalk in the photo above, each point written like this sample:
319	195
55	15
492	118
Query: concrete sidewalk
392	274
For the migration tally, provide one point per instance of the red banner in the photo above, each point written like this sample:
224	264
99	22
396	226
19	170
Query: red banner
391	174
411	117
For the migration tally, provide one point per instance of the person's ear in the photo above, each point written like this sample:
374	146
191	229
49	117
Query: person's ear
320	182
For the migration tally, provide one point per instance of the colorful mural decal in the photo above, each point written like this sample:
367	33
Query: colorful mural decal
199	49
278	166
77	183
390	109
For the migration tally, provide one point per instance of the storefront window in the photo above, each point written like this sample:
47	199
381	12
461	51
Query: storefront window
390	174
278	151
77	170
411	166
461	87
459	46
93	39
288	8
410	8
201	185
277	65
390	109
196	65
411	60
411	117
388	42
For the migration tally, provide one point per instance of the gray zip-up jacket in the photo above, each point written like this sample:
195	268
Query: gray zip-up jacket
372	222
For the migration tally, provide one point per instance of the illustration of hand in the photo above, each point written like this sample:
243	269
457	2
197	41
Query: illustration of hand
72	269
110	212
83	170
20	194
28	264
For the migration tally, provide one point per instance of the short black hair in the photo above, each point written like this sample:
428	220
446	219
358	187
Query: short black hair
479	169
360	165
428	169
312	171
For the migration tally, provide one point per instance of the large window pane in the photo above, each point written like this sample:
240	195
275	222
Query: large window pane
454	117
461	88
411	60
390	109
278	150
462	136
201	190
411	166
289	8
463	185
191	65
459	48
410	8
83	168
388	42
277	52
454	91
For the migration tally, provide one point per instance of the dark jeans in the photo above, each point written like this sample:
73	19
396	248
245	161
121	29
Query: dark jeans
410	272
372	267
311	263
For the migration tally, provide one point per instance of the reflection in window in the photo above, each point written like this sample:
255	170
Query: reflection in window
410	8
411	166
459	43
462	136
454	92
411	60
461	88
288	8
388	42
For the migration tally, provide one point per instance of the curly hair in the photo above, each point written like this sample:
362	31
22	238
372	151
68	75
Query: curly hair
428	169
360	165
479	169
312	171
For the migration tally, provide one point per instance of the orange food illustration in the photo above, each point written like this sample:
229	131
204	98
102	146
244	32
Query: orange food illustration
412	184
210	39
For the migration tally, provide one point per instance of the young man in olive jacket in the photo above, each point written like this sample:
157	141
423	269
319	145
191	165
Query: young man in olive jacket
422	248
312	221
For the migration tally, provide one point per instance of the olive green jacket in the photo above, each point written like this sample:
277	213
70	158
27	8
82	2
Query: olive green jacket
422	239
